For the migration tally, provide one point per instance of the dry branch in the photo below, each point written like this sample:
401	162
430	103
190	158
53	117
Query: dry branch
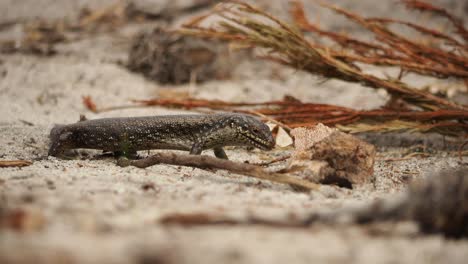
291	113
248	25
438	54
199	219
422	57
14	163
210	163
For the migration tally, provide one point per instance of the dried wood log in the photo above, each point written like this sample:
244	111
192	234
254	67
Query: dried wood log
207	162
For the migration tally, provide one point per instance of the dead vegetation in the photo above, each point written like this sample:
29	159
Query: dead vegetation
291	113
14	163
439	54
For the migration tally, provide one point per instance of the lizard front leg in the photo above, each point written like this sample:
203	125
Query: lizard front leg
219	153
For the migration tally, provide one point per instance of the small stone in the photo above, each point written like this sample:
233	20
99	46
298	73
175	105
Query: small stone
330	156
305	138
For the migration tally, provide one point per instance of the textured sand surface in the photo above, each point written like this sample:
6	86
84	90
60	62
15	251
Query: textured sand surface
92	211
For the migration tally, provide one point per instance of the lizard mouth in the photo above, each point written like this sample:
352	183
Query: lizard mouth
261	143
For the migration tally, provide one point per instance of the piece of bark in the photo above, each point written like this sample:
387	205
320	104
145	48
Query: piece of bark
330	156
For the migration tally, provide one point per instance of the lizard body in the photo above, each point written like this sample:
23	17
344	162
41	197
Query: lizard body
193	133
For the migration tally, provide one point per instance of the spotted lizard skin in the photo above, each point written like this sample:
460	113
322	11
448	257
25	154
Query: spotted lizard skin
193	133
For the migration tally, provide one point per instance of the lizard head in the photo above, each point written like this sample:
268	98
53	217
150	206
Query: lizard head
60	140
253	131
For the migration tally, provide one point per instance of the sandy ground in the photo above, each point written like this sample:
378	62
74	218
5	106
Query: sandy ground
92	211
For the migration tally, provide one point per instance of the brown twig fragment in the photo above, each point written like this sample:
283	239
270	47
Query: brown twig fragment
207	162
283	158
14	163
198	219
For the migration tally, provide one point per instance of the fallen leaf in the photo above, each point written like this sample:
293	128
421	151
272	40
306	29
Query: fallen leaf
283	139
305	138
89	103
271	125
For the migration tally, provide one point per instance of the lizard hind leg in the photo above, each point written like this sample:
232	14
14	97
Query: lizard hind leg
219	153
196	149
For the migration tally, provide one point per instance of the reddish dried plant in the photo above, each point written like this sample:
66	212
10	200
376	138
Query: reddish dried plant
439	54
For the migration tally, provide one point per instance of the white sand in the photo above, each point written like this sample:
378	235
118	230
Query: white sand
97	212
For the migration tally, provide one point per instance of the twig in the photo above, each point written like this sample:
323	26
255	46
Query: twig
284	126
26	122
424	6
289	114
460	150
197	219
207	162
14	163
273	161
